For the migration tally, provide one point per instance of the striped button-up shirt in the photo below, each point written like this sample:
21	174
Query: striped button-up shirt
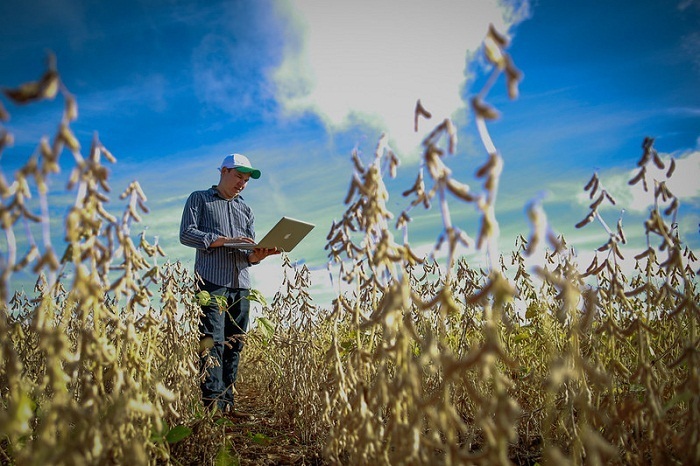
206	217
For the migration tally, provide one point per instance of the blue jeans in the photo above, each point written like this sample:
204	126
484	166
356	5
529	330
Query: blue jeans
226	329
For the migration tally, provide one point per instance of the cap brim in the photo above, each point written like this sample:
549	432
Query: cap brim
254	173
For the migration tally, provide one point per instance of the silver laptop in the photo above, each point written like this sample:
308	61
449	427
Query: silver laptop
285	235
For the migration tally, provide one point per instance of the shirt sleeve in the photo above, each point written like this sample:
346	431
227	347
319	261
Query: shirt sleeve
190	234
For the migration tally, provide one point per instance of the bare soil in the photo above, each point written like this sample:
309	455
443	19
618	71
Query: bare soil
260	440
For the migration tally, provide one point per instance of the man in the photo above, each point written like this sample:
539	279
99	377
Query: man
210	219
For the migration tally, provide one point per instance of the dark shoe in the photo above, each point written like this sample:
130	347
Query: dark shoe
234	414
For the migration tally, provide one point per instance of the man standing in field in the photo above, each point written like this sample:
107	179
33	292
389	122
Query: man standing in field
212	218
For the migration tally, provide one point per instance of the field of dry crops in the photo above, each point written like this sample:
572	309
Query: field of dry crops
421	363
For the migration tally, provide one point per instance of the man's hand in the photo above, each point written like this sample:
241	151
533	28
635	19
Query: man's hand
254	257
259	254
221	240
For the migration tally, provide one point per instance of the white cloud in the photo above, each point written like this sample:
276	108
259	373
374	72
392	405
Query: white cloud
683	183
370	61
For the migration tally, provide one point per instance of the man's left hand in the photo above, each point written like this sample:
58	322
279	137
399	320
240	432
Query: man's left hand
259	254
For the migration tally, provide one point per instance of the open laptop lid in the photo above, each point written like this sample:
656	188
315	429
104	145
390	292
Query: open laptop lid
285	235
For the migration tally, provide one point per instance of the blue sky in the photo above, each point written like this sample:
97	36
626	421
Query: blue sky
171	87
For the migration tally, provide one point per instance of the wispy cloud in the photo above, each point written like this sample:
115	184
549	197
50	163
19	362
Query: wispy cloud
683	183
369	61
230	64
139	92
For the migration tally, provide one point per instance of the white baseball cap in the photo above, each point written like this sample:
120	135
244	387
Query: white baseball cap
241	163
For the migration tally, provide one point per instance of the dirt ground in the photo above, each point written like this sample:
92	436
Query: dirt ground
258	440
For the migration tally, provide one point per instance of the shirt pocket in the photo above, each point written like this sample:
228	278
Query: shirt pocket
215	218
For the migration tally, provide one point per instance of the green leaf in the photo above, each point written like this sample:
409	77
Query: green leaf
531	312
257	296
203	298
21	413
267	328
178	433
637	388
260	439
415	349
221	302
225	458
223	421
159	436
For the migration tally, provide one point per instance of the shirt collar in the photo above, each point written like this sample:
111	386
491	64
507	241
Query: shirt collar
215	192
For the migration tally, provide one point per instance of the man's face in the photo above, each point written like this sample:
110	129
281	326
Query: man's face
234	180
